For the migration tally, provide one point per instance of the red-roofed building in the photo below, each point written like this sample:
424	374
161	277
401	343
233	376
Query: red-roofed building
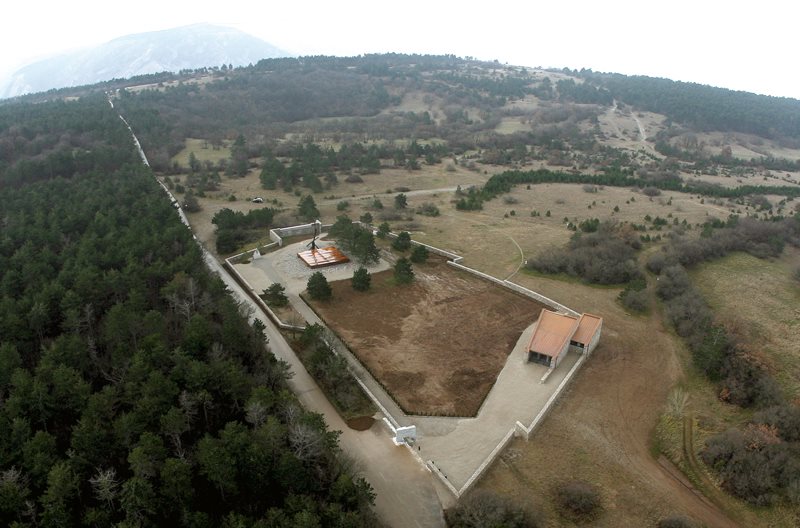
556	333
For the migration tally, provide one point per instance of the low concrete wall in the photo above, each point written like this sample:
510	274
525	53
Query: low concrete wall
277	234
525	432
541	298
486	463
477	273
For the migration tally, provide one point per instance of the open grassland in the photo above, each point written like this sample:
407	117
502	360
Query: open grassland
761	301
509	125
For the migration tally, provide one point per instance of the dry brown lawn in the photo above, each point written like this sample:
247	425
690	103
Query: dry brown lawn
437	344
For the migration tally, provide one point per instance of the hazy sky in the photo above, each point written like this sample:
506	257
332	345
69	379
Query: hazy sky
744	46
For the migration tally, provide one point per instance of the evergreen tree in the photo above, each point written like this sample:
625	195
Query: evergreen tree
275	295
402	242
361	280
419	255
318	287
403	272
307	208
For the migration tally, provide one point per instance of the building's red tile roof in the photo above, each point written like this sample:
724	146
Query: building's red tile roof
587	327
552	331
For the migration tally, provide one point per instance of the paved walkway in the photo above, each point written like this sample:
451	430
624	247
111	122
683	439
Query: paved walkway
458	446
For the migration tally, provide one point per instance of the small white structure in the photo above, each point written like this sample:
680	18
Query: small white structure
403	434
256	254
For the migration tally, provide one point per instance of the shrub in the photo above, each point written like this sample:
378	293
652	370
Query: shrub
635	300
400	201
366	218
578	499
354	178
377	204
487	509
428	209
419	254
651	191
343	205
785	418
589	225
676	521
753	464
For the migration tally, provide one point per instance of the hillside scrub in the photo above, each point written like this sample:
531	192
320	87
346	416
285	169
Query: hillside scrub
606	256
759	463
485	509
758	238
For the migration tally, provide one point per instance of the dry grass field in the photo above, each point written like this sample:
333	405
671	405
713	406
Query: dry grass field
437	344
761	300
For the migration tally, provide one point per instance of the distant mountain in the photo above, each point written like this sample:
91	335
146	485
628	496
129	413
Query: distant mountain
175	49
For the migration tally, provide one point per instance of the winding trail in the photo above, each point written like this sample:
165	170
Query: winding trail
642	131
405	491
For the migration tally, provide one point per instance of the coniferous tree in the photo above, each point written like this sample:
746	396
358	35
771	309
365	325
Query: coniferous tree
361	280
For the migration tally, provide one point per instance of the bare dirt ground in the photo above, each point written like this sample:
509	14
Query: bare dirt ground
601	431
440	342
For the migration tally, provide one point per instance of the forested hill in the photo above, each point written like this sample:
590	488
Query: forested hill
134	391
704	107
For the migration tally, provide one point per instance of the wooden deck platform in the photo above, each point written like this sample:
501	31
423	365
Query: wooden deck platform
321	257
